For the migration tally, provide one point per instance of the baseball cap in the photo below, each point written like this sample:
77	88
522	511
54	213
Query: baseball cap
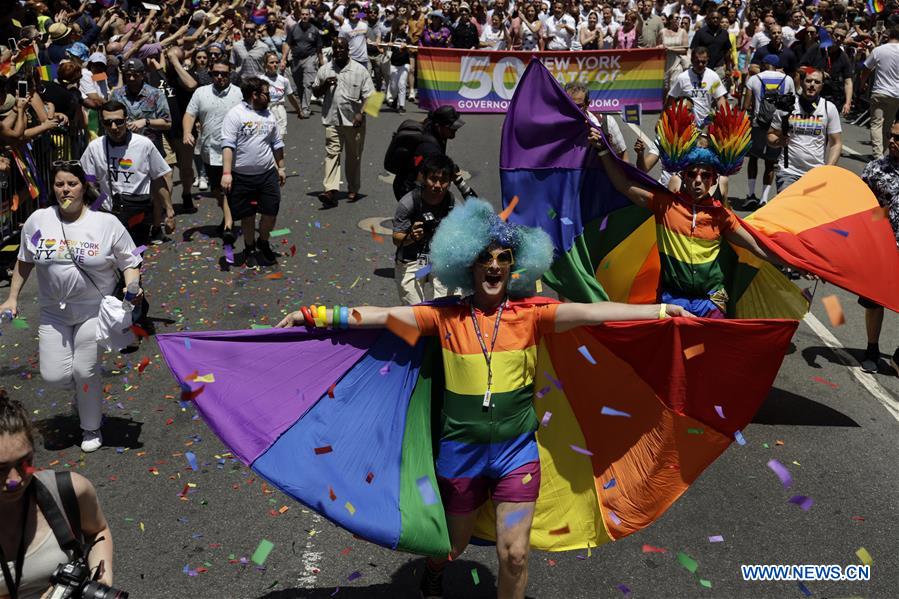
446	116
133	64
97	57
79	51
772	59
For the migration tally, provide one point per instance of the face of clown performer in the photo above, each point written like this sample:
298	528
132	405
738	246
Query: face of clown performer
490	272
698	180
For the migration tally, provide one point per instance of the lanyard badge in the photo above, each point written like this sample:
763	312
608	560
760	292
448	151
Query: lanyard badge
488	356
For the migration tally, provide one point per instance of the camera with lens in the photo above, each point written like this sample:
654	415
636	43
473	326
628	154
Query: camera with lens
463	187
429	221
785	102
73	581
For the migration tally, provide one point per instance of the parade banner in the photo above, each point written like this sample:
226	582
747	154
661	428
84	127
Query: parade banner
484	80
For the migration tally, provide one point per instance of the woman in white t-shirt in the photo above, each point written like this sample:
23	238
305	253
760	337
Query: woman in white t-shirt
495	35
279	89
78	254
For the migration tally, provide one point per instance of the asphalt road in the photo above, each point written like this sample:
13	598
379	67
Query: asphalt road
185	533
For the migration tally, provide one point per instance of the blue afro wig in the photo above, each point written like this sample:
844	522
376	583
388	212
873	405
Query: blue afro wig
469	229
703	157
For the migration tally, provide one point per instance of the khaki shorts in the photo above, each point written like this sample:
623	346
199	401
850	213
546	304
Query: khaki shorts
171	158
413	290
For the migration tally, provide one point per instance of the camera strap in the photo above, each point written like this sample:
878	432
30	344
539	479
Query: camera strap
62	529
12	584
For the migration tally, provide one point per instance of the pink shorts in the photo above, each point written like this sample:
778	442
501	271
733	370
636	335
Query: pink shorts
464	495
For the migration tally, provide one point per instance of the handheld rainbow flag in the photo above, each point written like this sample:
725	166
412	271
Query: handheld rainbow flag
875	7
27	56
48	72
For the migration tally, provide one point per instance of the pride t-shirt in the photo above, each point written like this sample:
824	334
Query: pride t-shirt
514	366
689	239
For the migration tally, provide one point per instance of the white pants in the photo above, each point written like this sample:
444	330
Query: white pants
414	290
67	341
399	81
280	113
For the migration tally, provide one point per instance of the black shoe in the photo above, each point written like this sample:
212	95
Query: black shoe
264	254
250	258
894	361
870	361
751	202
431	584
401	110
228	237
157	237
187	205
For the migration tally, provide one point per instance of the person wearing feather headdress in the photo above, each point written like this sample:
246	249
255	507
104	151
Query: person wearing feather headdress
488	448
691	222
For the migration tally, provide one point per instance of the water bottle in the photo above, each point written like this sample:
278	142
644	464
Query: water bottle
130	293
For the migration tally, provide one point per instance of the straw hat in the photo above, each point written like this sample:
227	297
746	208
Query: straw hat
58	31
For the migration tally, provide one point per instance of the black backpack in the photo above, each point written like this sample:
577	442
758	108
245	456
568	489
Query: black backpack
400	156
768	105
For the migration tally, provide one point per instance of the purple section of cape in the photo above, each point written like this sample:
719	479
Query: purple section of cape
298	366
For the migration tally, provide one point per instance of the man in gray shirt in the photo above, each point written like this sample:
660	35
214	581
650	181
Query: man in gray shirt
247	54
343	85
304	41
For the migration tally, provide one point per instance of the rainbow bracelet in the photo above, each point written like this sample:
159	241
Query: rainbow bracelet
307	316
344	317
335	317
323	315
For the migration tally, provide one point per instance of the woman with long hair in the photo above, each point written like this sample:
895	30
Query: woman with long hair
589	33
78	253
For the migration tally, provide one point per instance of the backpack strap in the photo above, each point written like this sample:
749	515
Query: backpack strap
70	503
61	529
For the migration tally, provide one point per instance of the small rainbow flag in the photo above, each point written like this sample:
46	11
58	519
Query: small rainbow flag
126	163
7	69
875	7
48	73
27	56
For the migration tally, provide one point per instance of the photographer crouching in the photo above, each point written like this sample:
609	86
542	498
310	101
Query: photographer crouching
418	213
54	539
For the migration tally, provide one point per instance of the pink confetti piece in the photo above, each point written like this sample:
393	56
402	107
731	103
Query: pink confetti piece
607	411
545	420
802	501
586	353
720	411
716	539
581	450
782	473
604	223
385	369
139	250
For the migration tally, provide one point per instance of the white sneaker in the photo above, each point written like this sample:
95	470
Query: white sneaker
203	184
91	441
197	181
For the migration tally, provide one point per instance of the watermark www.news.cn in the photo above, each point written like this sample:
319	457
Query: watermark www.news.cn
805	572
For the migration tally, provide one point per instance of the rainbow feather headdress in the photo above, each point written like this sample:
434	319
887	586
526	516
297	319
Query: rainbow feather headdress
678	139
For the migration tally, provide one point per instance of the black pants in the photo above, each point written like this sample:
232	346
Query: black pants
136	213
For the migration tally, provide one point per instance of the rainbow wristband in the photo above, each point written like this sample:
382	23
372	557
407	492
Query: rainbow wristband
344	317
307	316
335	317
313	312
663	310
323	315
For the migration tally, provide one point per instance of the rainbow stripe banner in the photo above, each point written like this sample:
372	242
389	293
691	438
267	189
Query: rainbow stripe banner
485	80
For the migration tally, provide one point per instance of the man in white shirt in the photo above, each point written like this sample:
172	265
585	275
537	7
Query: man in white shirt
559	29
884	62
253	169
762	37
208	107
247	54
701	85
609	27
814	137
580	95
355	32
343	85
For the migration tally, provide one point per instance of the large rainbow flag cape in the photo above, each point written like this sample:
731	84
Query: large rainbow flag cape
344	421
828	223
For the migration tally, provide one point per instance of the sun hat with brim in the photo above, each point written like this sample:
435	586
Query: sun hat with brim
79	51
58	31
8	103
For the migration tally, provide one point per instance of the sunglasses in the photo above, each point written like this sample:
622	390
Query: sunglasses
58	163
220	73
706	176
502	257
116	122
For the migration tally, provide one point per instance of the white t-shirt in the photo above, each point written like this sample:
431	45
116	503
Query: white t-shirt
356	38
278	88
704	91
253	135
808	136
494	38
774	80
884	61
88	86
609	31
760	39
97	241
131	165
789	35
616	139
559	37
210	108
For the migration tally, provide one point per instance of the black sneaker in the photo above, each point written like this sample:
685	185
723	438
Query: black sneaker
265	255
751	202
870	361
157	237
431	584
894	361
187	205
249	255
228	237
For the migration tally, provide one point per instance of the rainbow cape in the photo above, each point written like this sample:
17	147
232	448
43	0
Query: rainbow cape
828	223
344	421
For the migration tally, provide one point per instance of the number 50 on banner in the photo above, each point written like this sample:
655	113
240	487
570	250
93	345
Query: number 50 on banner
479	77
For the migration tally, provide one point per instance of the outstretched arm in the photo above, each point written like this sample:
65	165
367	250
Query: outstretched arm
362	317
636	194
569	316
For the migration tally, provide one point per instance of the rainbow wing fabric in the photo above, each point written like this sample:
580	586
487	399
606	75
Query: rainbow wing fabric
342	421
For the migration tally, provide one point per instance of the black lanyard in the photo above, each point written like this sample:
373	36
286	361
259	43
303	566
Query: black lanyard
12	585
488	356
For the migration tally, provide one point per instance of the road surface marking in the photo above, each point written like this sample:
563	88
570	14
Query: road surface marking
867	380
851	152
310	559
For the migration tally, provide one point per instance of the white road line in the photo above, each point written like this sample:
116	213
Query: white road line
310	559
868	381
850	151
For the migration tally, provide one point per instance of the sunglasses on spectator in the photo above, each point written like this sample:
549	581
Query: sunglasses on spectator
502	257
220	73
706	176
116	122
58	163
